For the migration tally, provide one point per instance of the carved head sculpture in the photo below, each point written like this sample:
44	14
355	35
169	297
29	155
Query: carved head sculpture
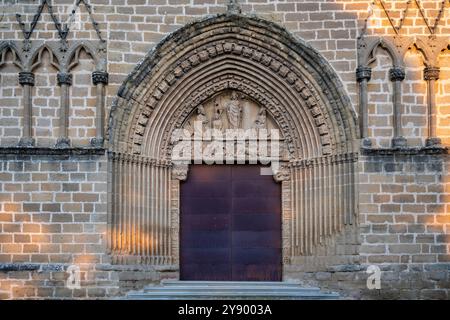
234	95
201	110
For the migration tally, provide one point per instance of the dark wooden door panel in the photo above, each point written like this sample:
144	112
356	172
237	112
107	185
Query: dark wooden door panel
230	224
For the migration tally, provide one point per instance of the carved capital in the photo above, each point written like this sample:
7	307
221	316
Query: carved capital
26	78
26	142
431	73
399	142
97	142
363	73
282	174
180	172
64	78
62	143
397	74
433	142
100	77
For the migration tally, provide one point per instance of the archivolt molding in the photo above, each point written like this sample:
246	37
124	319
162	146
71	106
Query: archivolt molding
253	49
213	59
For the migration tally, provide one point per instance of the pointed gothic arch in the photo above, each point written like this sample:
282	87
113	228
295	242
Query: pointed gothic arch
302	94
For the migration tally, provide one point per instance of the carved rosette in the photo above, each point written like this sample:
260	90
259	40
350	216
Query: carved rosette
100	77
26	78
363	73
64	78
431	73
397	74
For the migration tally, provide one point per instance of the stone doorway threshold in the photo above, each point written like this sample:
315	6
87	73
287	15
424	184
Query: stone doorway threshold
229	290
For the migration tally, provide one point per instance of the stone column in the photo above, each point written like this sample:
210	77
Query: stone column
26	79
100	79
431	74
64	81
397	75
363	75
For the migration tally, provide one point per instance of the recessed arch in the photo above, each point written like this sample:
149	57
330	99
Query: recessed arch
9	47
36	58
263	46
221	55
74	55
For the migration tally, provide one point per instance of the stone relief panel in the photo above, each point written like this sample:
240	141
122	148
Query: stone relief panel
231	116
231	110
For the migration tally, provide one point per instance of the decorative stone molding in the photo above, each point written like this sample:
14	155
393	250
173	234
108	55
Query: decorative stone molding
63	153
397	74
100	77
431	73
254	57
363	73
64	78
26	78
141	94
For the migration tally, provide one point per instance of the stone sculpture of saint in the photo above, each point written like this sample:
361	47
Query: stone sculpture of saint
217	120
201	121
260	122
234	111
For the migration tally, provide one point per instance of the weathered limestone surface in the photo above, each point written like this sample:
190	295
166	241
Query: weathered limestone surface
87	109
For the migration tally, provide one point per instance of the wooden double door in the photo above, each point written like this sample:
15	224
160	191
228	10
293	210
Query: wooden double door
230	224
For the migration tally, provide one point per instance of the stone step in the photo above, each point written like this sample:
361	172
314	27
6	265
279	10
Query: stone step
182	290
231	295
169	282
227	288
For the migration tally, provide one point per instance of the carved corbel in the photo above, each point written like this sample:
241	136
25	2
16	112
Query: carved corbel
180	172
282	172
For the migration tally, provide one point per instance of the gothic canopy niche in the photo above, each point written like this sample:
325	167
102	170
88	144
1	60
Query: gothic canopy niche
230	71
254	57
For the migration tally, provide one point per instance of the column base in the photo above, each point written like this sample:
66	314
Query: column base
62	143
433	141
366	143
26	142
399	142
97	142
